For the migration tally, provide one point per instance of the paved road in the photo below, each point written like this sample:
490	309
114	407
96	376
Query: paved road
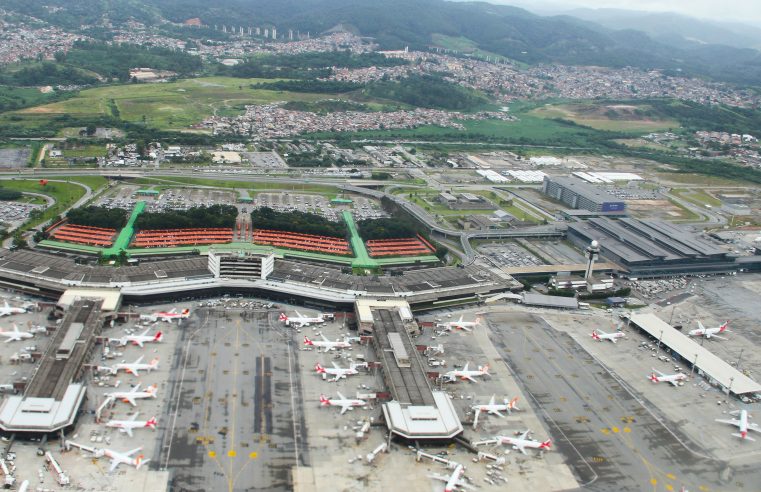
233	422
608	436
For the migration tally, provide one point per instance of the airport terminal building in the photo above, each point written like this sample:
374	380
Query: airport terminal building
651	248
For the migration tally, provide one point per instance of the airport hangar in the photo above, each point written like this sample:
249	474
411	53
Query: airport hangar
705	362
91	295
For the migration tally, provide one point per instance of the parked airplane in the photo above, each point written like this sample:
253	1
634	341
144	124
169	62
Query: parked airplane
460	324
327	344
116	457
336	371
702	331
167	316
133	368
742	423
134	394
600	335
300	321
342	402
137	339
127	425
8	310
670	378
454	482
15	335
520	443
464	373
495	408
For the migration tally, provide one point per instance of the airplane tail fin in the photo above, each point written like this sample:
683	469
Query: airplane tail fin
152	390
152	423
140	461
319	368
723	327
283	317
155	363
512	404
653	377
743	435
595	335
307	341
546	444
186	312
159	336
324	400
484	369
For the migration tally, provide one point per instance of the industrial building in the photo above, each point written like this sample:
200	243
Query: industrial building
715	369
651	248
581	195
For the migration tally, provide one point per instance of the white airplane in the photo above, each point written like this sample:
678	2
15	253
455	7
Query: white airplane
327	344
460	324
300	321
341	401
495	408
520	443
167	316
133	368
336	371
702	331
454	482
15	335
8	310
127	425
600	335
137	339
133	394
464	373
118	458
670	378
742	423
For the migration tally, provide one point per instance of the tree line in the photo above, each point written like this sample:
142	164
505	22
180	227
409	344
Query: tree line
214	216
296	221
113	218
387	228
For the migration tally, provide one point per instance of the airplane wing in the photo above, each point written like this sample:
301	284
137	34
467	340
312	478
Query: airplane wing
524	435
731	422
128	430
298	314
659	373
700	326
131	400
719	337
336	366
746	437
344	408
475	419
114	463
134	416
10	339
601	332
139	360
130	453
134	371
497	413
519	447
469	378
139	343
612	339
674	382
465	328
491	401
461	318
340	396
466	366
754	427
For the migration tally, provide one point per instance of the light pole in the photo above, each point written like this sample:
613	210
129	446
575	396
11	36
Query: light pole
729	390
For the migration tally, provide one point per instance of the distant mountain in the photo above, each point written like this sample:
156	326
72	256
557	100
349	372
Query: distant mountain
674	28
509	31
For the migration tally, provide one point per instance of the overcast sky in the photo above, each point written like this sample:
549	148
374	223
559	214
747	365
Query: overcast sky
748	11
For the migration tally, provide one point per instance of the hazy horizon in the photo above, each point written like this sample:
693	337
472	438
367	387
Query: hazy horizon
743	11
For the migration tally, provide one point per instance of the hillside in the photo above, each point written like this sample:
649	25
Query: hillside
508	31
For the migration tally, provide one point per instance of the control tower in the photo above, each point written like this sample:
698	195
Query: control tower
591	253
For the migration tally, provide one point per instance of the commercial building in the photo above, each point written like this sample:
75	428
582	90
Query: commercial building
651	248
581	195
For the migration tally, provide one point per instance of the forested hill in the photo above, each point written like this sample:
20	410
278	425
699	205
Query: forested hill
509	31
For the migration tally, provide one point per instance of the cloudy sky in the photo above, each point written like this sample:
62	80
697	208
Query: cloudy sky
748	11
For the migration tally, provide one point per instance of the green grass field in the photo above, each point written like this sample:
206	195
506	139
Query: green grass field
65	195
172	106
696	196
606	117
86	151
168	181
